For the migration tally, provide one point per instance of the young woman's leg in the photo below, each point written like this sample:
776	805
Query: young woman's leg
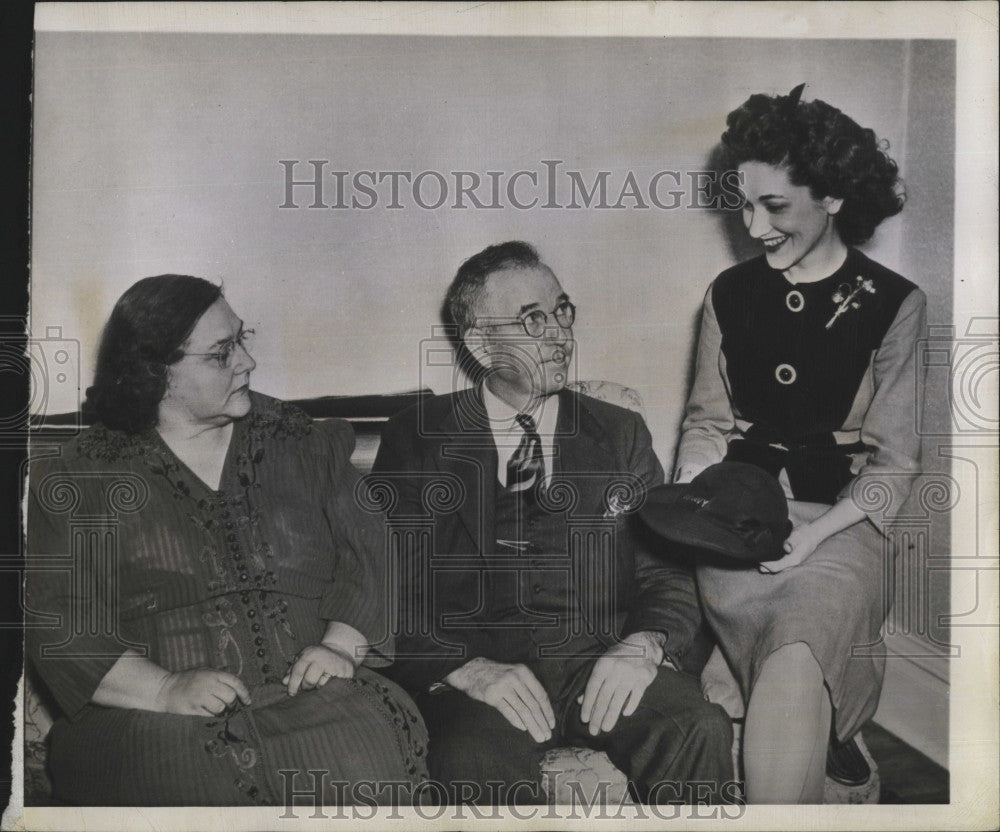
787	729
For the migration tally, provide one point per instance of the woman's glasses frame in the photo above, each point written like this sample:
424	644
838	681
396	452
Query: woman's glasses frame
227	349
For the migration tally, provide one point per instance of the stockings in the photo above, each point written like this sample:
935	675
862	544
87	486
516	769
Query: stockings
787	729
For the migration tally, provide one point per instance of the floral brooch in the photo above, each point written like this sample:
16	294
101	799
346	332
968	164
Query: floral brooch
848	297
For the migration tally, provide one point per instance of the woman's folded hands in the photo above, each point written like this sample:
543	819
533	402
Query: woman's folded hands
342	649
136	682
317	665
201	691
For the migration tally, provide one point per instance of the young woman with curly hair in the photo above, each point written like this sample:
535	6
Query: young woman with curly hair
806	368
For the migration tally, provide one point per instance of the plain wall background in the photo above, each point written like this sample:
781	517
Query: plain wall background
160	153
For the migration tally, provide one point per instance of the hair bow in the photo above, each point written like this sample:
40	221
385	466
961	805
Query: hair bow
792	99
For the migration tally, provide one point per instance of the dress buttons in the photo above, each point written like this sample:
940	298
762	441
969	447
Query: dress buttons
251	613
244	576
785	373
260	653
265	668
258	641
537	588
255	627
794	300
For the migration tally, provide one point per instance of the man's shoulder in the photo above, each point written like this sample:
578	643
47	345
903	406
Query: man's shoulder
609	415
433	411
608	400
430	422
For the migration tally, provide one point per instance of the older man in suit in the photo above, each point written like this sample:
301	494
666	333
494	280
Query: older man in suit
532	612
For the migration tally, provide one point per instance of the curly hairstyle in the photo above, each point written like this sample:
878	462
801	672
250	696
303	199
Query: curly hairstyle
823	149
142	338
471	277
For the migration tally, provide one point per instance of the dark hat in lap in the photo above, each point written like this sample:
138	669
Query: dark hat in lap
732	509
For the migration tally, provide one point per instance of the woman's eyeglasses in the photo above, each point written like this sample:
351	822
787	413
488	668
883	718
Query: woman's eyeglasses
227	349
535	322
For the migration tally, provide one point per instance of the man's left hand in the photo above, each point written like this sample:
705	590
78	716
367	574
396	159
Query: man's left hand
618	681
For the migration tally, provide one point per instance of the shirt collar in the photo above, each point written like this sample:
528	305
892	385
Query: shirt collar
501	415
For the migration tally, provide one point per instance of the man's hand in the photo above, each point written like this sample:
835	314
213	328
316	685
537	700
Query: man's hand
619	679
801	543
200	692
510	688
316	666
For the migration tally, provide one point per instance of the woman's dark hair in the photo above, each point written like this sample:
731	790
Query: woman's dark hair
144	335
822	149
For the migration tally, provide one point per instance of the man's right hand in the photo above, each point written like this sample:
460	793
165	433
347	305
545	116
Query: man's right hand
510	688
199	692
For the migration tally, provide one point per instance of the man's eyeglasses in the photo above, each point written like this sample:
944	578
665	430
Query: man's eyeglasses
535	322
227	349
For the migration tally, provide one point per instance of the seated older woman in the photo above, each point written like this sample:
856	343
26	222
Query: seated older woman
224	590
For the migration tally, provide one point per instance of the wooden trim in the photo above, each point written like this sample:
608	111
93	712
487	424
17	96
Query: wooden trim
915	696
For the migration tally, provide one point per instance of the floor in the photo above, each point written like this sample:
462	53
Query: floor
907	775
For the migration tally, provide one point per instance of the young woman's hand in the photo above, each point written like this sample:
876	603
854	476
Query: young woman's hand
801	543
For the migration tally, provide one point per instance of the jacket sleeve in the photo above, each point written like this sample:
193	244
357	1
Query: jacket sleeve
421	659
708	416
889	427
358	590
665	599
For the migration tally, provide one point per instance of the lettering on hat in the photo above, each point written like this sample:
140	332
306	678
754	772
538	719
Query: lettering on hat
701	501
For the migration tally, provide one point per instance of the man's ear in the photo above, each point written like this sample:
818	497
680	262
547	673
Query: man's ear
832	204
474	340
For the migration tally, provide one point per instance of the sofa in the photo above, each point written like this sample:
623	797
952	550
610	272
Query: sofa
568	774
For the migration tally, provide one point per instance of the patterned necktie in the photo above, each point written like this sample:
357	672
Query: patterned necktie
526	467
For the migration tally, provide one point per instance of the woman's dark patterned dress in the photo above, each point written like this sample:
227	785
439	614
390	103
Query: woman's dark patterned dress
131	550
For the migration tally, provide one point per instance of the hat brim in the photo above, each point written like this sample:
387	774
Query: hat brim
681	522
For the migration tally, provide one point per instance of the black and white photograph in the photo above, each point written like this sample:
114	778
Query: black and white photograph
558	416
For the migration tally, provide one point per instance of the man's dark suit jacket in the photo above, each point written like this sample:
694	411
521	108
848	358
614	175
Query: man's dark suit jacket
441	460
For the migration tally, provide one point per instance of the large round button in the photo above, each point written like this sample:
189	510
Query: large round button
785	373
794	300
